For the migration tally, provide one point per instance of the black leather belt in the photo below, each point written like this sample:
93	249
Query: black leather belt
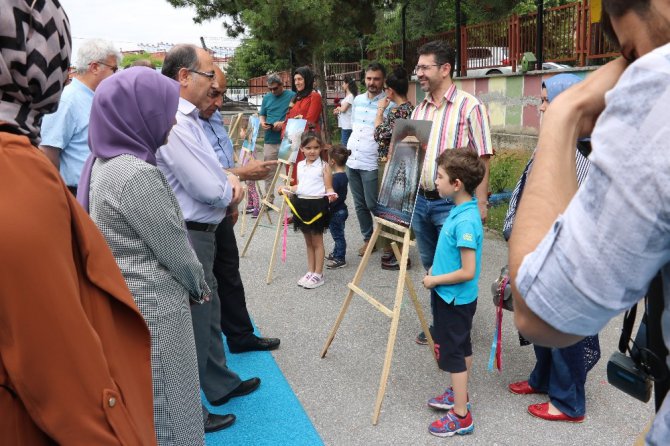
429	194
204	227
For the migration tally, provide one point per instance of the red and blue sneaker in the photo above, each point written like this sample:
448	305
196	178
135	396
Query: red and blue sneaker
451	424
444	401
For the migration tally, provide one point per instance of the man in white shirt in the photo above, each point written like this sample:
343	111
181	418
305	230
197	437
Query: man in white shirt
362	166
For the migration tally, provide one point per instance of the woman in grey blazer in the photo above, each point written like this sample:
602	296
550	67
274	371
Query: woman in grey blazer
137	212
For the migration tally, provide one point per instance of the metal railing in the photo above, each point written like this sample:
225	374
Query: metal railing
569	37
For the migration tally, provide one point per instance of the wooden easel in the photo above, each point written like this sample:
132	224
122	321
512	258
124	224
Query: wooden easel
244	154
265	204
394	315
234	134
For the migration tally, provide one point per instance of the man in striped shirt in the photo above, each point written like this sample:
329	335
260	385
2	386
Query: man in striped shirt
459	120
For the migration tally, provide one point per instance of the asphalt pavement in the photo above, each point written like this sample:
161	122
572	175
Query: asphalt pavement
339	391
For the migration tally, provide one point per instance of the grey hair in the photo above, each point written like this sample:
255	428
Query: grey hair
180	56
95	50
274	79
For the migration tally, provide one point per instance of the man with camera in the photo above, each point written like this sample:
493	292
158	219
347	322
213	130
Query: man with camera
578	259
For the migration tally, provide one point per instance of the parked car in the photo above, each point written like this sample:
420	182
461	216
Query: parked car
484	61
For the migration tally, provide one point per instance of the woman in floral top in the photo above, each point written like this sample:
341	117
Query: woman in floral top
397	84
396	88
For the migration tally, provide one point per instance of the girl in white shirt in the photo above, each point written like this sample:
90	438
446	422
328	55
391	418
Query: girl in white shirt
309	203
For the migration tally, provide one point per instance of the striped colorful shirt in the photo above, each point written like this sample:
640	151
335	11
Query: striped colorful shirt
459	121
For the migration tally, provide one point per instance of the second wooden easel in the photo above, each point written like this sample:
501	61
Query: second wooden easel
394	314
265	205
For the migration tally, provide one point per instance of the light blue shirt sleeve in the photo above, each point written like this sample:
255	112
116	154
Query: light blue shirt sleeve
58	127
599	257
194	165
466	235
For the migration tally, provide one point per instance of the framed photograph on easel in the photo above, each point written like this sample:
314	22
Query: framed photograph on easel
400	182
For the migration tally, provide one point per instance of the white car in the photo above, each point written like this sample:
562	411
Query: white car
484	61
481	59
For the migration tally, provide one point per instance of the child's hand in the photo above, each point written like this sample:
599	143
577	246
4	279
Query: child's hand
428	281
332	196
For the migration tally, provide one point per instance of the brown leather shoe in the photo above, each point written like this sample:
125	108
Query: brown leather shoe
361	250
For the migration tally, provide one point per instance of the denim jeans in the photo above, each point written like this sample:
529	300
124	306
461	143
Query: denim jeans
429	215
553	375
346	133
363	186
336	226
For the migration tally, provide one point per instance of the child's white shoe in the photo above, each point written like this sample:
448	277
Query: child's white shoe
314	281
304	279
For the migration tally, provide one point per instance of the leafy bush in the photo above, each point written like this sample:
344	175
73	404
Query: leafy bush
506	168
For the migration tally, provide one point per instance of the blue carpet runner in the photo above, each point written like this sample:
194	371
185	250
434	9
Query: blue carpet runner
272	415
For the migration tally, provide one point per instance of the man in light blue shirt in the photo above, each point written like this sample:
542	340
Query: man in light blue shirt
65	133
362	166
235	321
204	192
579	258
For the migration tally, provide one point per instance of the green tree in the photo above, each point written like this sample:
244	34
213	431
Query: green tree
128	59
306	29
254	57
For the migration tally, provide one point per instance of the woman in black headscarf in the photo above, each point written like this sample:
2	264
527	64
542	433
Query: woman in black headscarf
306	104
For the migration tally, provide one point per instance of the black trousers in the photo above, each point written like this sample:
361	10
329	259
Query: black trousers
235	320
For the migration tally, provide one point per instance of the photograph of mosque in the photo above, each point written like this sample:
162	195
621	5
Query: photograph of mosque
400	182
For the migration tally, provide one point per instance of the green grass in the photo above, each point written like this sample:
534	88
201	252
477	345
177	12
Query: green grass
496	217
506	168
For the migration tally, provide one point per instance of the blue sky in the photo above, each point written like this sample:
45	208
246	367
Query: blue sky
130	22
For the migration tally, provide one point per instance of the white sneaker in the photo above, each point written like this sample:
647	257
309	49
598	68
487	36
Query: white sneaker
314	282
304	279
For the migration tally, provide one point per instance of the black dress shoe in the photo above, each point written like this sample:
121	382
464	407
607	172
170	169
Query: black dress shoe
245	388
217	422
255	344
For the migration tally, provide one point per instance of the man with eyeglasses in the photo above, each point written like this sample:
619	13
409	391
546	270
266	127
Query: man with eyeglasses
273	112
65	133
205	192
460	120
235	321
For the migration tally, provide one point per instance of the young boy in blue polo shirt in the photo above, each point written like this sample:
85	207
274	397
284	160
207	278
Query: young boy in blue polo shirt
453	284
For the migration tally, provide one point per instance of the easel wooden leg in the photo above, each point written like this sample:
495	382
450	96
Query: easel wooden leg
273	257
400	291
261	212
415	300
243	223
355	282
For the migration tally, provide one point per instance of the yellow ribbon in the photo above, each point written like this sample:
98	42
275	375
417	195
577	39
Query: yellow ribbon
295	213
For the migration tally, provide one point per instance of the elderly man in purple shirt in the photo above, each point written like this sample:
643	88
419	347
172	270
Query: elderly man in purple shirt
204	192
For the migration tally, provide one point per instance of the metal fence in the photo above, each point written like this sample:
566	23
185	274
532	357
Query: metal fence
568	37
334	74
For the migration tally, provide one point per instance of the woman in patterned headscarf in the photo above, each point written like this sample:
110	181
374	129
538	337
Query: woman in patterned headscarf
75	350
137	212
559	372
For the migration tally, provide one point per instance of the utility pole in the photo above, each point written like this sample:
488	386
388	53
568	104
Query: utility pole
539	38
460	70
403	27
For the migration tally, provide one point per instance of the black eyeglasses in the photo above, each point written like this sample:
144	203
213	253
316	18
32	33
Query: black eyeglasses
209	75
114	68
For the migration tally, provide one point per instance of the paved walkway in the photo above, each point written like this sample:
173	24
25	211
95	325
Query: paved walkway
338	392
